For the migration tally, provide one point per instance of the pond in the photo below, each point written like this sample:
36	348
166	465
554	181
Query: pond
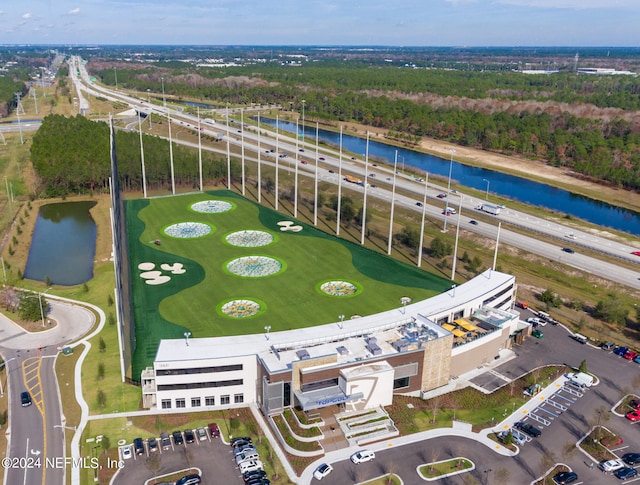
63	245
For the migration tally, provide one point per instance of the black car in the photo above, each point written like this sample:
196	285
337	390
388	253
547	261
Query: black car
419	204
563	478
528	428
260	481
25	399
475	223
631	458
165	441
257	475
240	441
189	480
138	446
189	435
626	473
177	438
568	250
153	445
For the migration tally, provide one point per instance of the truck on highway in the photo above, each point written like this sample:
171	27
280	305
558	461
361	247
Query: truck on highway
490	209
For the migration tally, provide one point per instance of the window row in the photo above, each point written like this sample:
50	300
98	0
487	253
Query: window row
196	402
199	370
199	385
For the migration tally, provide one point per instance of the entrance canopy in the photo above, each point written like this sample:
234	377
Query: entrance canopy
321	398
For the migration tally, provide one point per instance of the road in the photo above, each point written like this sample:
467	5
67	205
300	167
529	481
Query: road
626	272
36	432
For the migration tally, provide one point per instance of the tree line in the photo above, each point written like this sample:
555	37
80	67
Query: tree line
71	155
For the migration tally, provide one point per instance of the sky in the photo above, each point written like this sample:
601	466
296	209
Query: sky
323	22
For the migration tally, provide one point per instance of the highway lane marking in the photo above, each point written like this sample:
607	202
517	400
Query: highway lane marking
31	367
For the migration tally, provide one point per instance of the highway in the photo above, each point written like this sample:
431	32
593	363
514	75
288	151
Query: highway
626	271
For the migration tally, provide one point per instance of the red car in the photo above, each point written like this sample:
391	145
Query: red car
636	253
635	404
630	355
633	416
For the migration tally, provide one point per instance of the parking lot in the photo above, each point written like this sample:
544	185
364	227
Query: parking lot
211	455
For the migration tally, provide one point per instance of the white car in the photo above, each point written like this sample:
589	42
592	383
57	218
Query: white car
611	465
571	236
322	471
362	456
125	452
250	466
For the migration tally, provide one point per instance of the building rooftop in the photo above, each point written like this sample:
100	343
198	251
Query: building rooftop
401	329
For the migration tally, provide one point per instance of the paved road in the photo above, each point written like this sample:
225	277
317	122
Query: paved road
35	434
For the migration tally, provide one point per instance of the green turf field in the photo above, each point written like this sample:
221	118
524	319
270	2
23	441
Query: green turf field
291	297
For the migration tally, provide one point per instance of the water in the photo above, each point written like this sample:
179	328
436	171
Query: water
509	186
63	245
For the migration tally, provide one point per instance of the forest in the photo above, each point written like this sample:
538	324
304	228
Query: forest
71	156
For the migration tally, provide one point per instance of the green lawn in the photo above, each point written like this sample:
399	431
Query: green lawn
289	299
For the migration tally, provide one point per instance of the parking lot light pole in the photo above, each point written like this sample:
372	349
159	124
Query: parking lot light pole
486	197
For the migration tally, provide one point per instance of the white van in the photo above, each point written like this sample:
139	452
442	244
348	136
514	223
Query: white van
580	379
250	466
580	338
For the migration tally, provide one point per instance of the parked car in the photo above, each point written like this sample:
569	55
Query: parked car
189	436
251	455
322	471
607	346
633	415
177	438
621	350
152	443
563	478
441	196
214	430
630	355
25	399
239	441
165	441
125	452
250	466
568	250
537	333
243	449
637	359
528	429
138	446
249	476
534	321
626	473
610	465
362	456
518	438
201	433
259	481
631	458
635	403
192	479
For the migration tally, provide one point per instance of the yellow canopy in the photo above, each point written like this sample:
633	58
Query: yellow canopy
467	325
459	333
448	326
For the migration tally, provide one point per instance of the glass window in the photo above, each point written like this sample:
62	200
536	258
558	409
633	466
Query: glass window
166	404
238	398
180	403
400	383
210	401
225	399
195	402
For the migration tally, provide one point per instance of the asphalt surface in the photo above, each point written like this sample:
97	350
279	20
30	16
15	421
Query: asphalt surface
35	433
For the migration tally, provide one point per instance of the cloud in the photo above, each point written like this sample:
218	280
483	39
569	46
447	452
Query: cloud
74	11
26	15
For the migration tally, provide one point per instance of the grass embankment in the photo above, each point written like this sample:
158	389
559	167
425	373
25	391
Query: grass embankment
468	405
